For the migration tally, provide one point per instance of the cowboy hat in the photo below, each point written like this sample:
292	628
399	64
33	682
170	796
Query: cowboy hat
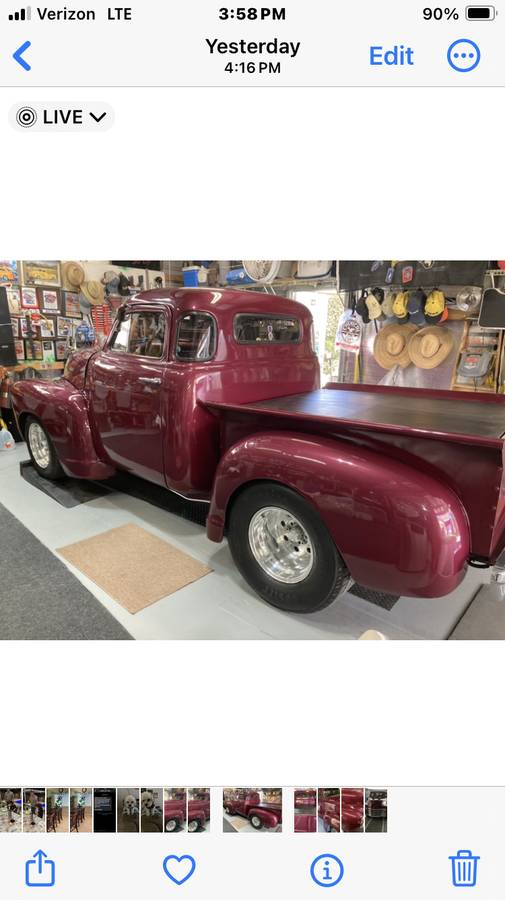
390	346
73	275
430	346
93	292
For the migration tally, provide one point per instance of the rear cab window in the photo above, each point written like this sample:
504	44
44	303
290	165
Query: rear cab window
251	328
196	337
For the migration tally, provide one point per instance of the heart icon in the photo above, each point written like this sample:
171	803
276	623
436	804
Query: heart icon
179	868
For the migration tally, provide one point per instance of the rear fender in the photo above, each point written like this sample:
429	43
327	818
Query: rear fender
398	529
62	409
268	819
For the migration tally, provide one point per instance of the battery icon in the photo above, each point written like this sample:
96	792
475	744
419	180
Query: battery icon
480	13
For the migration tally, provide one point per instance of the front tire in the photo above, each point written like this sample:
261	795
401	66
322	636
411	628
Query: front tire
256	822
284	551
171	825
41	450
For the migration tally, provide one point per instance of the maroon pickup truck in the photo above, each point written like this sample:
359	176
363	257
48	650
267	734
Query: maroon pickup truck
175	814
198	813
214	394
248	804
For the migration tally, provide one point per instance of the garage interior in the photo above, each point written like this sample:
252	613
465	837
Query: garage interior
45	317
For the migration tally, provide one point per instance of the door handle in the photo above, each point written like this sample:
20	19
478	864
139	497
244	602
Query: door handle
150	380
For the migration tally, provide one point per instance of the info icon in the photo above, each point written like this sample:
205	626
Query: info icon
327	870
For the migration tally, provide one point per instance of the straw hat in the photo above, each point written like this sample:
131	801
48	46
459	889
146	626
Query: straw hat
391	345
429	347
93	292
73	275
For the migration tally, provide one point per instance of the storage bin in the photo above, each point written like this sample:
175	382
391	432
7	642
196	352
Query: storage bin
190	276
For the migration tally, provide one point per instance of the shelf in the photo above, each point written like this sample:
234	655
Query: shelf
37	365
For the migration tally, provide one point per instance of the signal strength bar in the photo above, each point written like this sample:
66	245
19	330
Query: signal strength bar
22	16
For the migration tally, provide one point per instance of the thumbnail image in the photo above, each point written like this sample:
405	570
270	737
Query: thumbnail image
305	810
11	815
175	810
198	809
376	809
34	810
104	810
151	809
81	810
352	809
128	816
57	814
252	809
328	810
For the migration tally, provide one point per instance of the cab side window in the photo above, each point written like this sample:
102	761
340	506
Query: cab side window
142	334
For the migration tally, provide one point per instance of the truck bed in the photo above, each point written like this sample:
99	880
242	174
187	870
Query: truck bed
392	409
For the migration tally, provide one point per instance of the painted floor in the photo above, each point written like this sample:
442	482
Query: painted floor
219	606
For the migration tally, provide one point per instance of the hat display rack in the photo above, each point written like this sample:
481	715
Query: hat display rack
432	333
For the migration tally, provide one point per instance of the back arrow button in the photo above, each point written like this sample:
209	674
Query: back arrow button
18	55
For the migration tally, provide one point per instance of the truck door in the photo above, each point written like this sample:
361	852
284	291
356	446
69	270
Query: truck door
127	400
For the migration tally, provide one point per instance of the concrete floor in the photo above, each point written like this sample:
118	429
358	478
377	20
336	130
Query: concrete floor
219	606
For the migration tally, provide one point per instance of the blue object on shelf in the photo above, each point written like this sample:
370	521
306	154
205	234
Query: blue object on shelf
238	276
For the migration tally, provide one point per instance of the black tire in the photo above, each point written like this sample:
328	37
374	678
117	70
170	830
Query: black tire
171	826
329	576
53	471
257	827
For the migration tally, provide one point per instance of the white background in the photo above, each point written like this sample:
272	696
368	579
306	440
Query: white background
287	174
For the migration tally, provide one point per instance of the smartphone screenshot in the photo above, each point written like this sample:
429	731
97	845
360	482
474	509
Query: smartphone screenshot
252	511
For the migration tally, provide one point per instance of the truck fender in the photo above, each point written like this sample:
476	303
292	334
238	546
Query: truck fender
268	818
62	410
398	529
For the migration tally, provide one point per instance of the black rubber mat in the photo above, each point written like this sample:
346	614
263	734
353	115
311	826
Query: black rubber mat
158	496
385	601
68	492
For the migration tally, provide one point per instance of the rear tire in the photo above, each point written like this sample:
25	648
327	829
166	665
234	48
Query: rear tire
41	450
290	560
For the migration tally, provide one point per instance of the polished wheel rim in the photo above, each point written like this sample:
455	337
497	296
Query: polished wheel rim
256	822
281	545
39	445
193	826
170	826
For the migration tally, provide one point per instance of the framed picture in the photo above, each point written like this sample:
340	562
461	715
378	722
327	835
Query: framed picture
72	305
15	327
50	301
47	328
27	327
29	298
14	300
62	350
8	271
33	349
48	352
19	349
64	327
41	272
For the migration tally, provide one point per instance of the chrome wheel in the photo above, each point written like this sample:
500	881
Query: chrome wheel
256	822
280	545
171	825
39	445
192	826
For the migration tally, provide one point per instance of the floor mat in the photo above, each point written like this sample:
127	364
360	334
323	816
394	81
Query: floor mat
385	601
133	566
40	599
68	492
